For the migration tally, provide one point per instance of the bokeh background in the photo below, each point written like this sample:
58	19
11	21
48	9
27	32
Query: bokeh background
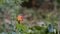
38	14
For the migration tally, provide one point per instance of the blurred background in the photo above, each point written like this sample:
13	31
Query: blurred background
37	15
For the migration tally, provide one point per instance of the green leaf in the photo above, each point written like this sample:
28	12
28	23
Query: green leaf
38	27
20	26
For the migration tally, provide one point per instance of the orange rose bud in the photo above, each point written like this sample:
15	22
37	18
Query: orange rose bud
20	18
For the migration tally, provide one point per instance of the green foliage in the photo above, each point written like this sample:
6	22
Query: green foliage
40	2
1	30
19	26
58	1
38	27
